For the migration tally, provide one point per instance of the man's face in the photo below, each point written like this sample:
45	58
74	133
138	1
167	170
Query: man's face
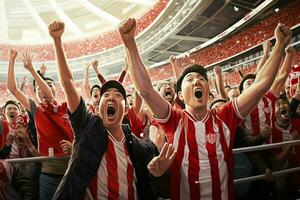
96	96
234	93
248	83
195	90
130	100
41	95
11	112
20	130
167	92
282	111
112	108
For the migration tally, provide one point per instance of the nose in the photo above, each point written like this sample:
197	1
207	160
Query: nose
197	81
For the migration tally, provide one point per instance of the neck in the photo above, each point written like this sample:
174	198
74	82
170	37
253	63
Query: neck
116	132
198	113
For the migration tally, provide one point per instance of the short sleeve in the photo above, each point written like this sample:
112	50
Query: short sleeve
80	117
170	123
230	114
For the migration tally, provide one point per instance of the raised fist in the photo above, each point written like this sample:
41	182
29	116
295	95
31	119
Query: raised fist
283	34
290	50
56	29
127	29
13	53
95	63
267	46
217	70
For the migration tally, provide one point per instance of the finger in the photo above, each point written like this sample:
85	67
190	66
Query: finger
164	150
172	157
170	151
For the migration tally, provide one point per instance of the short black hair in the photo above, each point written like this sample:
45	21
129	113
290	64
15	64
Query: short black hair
191	68
248	76
216	101
95	86
10	102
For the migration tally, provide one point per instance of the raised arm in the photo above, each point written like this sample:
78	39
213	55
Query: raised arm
87	88
27	60
124	71
284	72
173	61
266	48
56	30
138	72
99	75
265	77
220	83
11	81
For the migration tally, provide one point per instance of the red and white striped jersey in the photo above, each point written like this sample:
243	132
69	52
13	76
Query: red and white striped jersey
116	177
203	164
261	115
283	135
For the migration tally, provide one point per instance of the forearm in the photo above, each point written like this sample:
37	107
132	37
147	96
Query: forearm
174	67
278	84
137	102
264	79
262	61
220	86
11	80
42	84
122	76
87	84
142	82
65	76
99	76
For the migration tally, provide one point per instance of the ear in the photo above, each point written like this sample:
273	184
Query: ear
180	96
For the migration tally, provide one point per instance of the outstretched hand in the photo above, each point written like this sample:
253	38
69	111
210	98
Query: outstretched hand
159	164
95	64
56	29
27	61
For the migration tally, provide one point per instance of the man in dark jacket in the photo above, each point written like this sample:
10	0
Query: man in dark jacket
14	184
107	162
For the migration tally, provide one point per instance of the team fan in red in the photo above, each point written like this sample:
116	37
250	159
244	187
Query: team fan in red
202	138
51	120
107	162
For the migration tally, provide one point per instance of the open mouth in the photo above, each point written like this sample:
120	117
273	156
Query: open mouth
198	93
12	116
284	114
96	96
111	111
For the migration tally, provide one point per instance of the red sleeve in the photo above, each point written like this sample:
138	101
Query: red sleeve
230	115
136	123
276	138
270	95
170	124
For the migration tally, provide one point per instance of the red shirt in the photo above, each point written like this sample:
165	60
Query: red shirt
261	115
116	177
4	131
136	123
203	164
52	125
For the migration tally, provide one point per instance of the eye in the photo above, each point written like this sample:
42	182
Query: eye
105	94
118	94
